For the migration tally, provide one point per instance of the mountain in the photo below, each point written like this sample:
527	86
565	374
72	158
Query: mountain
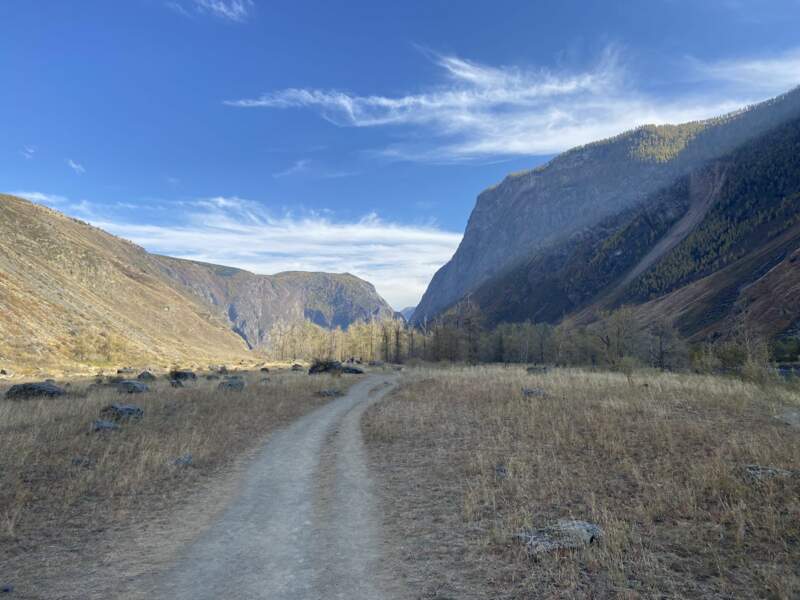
408	312
254	303
538	212
722	242
73	295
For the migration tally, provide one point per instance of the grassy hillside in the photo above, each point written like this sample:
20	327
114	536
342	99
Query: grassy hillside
74	297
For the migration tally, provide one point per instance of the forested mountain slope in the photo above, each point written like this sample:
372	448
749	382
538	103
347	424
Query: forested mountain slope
720	242
579	191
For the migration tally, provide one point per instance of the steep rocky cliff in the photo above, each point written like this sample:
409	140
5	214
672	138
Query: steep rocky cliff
536	211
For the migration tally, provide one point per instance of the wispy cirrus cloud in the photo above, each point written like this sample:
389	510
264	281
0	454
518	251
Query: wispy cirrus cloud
297	166
28	152
479	111
230	10
399	259
77	167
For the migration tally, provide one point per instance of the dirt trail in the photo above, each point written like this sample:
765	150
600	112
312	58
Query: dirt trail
302	526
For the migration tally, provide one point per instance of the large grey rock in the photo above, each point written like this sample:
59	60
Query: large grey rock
790	417
27	391
325	366
121	412
566	534
146	376
128	386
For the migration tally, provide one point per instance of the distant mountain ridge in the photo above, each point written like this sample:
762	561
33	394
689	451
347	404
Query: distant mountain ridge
72	294
534	213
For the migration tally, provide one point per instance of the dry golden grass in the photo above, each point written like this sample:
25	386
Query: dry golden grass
657	461
62	486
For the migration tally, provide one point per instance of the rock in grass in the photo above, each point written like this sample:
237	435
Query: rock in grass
122	412
533	392
500	472
146	376
264	370
184	461
325	366
234	384
179	375
129	386
28	391
296	367
104	425
790	417
757	473
537	370
6	588
329	393
352	370
176	383
566	534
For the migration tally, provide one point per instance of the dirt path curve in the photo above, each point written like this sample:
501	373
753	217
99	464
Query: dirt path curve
304	524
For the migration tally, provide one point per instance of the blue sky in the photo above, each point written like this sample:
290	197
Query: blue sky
347	136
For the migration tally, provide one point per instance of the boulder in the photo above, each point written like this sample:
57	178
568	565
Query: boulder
264	370
129	386
566	534
296	367
27	391
176	383
104	425
352	370
122	412
180	375
3	372
500	472
325	366
533	392
146	376
757	473
329	393
233	384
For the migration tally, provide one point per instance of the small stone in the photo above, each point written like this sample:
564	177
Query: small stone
329	393
3	372
103	425
537	370
758	473
6	588
500	472
296	367
176	383
264	370
566	534
121	412
82	461
790	417
533	392
184	461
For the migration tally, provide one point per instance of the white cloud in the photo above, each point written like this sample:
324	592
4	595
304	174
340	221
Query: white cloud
28	151
478	111
233	10
78	168
297	167
770	75
399	259
41	198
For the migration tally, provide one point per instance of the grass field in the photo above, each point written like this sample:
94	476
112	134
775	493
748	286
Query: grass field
63	487
657	460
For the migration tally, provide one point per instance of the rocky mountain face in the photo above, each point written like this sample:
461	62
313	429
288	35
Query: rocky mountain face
721	243
580	195
254	303
72	295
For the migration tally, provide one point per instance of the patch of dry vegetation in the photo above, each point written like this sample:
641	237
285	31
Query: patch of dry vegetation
62	486
657	460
